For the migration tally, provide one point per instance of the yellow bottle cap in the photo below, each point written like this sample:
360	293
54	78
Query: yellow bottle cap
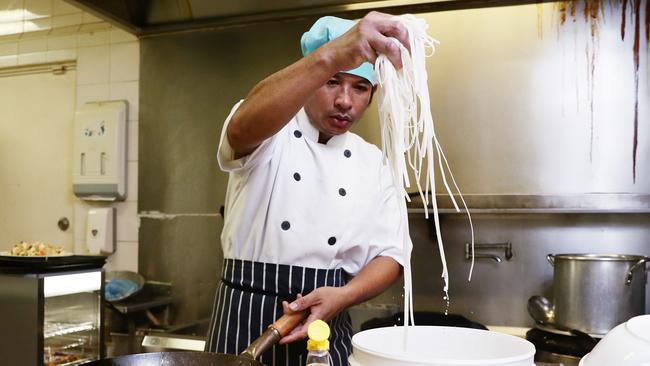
318	346
318	333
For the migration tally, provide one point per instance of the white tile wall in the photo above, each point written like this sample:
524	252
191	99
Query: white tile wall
60	7
79	226
129	91
108	62
9	49
89	18
93	65
125	61
62	42
31	58
63	21
8	60
61	55
132	180
118	36
39	7
92	92
8	28
128	230
132	141
32	45
36	25
93	38
125	257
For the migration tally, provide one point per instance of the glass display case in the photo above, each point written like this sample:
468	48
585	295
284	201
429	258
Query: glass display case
52	317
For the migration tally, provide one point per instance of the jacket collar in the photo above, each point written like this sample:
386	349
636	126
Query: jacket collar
312	133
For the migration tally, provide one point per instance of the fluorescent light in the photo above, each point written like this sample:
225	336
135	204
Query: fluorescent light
18	15
11	28
72	283
16	21
13	15
30	26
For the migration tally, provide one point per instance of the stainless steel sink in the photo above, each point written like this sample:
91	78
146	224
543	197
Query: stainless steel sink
186	337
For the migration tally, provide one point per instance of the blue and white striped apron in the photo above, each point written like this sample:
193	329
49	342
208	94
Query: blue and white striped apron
249	299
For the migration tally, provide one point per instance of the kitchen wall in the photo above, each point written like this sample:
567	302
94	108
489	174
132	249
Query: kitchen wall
107	68
498	292
188	83
526	104
512	99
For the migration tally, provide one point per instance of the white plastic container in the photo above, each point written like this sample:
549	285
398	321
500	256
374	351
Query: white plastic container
439	346
628	344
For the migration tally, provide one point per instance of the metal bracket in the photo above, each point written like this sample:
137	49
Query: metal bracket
507	247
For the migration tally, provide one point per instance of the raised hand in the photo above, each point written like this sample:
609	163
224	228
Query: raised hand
370	37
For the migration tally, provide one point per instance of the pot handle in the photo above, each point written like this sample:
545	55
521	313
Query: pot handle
551	259
630	273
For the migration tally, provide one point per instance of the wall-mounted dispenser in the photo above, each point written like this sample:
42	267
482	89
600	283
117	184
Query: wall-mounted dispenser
99	152
100	230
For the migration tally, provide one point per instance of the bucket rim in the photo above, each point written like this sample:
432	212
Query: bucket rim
528	355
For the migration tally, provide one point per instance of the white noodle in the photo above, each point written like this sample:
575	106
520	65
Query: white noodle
409	139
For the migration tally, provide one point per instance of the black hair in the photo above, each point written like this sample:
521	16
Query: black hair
372	93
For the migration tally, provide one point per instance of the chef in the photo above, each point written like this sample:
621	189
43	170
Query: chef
308	203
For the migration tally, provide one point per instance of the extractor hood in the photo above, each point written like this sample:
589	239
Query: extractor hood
153	17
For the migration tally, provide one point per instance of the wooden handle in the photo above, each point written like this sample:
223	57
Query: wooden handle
287	322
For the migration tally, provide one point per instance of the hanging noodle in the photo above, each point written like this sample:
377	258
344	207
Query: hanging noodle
409	140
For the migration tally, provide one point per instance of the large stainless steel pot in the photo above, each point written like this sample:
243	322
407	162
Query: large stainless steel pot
595	292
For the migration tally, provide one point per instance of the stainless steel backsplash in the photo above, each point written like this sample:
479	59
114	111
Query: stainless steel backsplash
498	292
190	81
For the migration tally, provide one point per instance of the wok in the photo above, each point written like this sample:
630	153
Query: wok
273	333
124	275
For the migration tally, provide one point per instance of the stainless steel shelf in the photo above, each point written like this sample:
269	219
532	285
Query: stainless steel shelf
70	343
58	329
596	203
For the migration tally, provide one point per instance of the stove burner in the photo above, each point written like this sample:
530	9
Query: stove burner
560	349
553	359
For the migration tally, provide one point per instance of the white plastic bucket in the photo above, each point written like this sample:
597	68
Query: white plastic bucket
439	346
628	344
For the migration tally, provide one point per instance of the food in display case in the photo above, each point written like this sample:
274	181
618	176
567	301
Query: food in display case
70	329
36	249
60	358
69	349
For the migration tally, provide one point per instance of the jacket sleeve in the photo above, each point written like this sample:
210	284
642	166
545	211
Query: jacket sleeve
226	154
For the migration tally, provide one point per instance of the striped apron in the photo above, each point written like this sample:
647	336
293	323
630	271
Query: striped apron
249	299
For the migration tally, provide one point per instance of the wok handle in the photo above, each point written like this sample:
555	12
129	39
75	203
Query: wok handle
274	333
287	322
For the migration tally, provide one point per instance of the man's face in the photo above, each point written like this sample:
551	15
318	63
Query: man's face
338	104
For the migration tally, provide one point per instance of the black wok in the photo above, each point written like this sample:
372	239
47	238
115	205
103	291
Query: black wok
177	359
275	331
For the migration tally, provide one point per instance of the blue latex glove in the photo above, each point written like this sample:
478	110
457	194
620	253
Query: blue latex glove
118	288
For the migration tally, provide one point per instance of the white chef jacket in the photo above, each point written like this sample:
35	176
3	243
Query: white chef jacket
299	202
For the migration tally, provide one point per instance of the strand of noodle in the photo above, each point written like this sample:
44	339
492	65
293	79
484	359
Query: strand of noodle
404	131
462	199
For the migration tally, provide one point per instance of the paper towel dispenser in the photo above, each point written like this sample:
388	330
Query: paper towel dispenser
99	152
